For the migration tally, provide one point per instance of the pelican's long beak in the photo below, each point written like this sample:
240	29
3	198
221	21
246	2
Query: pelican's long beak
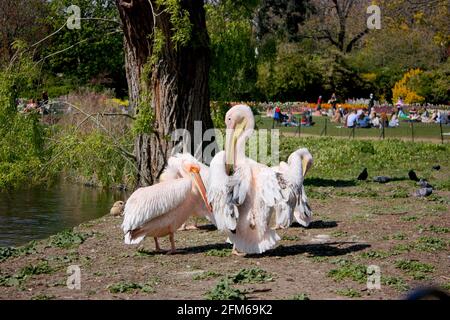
201	187
232	135
305	165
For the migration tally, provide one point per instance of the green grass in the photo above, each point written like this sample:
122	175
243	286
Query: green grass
223	290
434	229
399	236
68	239
348	270
395	282
301	297
206	275
254	275
348	292
337	162
339	234
9	252
375	254
218	253
290	238
26	272
430	244
128	287
414	268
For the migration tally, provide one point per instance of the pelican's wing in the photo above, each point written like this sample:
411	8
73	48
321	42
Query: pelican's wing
220	194
269	194
174	163
240	183
286	204
150	202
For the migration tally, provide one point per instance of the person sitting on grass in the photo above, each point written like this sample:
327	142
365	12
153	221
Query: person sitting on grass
337	117
363	121
352	119
394	121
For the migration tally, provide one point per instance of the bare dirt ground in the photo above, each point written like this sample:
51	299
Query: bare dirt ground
356	225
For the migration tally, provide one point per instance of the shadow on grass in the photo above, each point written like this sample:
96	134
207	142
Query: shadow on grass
332	249
319	182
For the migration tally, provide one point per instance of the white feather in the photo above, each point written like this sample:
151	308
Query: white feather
146	204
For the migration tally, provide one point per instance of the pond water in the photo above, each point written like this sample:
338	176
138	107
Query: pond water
38	213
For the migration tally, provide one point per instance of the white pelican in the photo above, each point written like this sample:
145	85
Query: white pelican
160	209
295	202
172	172
213	176
243	183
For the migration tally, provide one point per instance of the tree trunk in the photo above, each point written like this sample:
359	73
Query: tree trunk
177	82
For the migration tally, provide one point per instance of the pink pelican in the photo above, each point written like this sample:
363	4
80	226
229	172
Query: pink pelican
295	202
246	191
159	210
172	172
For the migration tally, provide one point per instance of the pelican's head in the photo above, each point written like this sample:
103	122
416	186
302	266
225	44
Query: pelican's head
240	122
193	170
306	159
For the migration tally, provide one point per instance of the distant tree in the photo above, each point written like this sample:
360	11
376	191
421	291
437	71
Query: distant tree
340	23
21	20
233	50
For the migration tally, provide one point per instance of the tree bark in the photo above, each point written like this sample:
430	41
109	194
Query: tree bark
178	81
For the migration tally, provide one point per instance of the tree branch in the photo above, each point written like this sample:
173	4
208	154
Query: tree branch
127	5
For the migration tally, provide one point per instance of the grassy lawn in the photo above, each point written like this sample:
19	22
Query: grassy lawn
421	130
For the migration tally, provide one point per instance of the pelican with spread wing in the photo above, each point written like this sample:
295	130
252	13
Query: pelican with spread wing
246	192
159	210
294	202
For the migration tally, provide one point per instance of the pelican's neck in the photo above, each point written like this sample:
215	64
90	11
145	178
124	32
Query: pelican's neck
240	146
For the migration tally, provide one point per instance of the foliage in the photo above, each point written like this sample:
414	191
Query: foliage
68	238
24	273
403	90
9	252
90	56
206	275
22	136
127	287
218	253
254	275
233	62
348	270
179	18
349	292
301	297
416	269
395	282
223	291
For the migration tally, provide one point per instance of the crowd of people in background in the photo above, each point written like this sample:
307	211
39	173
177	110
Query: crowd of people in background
366	117
40	106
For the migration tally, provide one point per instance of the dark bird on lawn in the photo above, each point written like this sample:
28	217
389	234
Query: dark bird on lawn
363	175
381	179
413	176
424	184
423	192
437	168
